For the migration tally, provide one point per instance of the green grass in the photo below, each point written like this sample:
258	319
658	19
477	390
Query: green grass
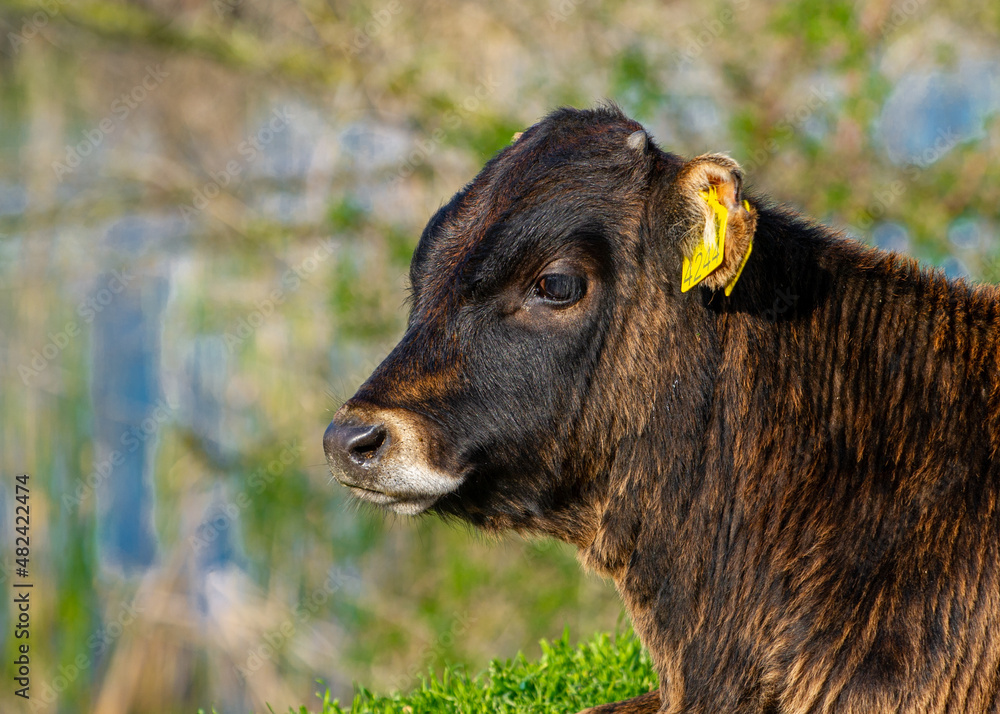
566	678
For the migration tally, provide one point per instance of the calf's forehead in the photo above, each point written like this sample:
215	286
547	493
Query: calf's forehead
570	175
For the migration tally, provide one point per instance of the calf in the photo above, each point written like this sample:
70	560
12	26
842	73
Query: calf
789	472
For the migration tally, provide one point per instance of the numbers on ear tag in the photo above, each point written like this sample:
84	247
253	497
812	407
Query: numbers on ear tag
708	254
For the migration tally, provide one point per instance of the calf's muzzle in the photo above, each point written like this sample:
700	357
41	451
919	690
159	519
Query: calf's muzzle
383	455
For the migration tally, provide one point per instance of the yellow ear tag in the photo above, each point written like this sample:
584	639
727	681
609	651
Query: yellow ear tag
708	253
746	256
732	283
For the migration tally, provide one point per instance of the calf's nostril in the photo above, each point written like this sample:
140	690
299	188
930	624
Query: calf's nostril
361	444
366	446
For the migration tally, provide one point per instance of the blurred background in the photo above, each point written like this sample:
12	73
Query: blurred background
207	209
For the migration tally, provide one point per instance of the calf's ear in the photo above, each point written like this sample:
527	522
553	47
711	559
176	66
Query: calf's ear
719	223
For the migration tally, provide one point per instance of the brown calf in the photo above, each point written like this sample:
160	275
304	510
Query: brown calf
790	472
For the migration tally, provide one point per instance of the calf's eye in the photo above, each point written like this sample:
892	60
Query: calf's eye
560	289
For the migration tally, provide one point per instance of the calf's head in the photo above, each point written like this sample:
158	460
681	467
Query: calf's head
546	304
